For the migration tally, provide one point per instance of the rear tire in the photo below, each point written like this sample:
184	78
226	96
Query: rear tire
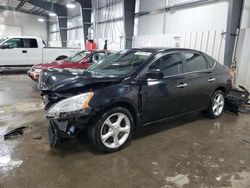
112	131
216	105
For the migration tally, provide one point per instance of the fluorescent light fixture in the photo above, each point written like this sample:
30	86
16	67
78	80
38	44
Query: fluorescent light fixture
52	14
70	5
41	20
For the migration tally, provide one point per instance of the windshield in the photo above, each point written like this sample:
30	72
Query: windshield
121	64
1	40
78	57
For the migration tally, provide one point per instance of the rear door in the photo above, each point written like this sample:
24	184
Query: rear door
201	79
15	55
165	97
34	53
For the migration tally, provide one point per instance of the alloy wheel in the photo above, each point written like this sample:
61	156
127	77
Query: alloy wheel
218	104
115	130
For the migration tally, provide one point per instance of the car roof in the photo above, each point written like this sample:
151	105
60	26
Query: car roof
159	49
92	50
25	37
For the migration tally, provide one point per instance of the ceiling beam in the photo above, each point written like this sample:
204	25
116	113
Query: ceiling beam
22	11
20	5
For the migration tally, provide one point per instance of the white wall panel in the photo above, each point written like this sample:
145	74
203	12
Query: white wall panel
245	22
8	30
243	57
113	31
150	24
146	5
54	35
28	23
114	11
200	18
210	42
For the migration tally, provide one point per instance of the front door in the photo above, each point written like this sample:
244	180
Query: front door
165	97
15	54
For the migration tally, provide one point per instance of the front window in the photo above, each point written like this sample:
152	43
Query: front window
121	64
78	57
14	43
170	64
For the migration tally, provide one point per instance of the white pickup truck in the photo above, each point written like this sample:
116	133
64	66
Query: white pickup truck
20	51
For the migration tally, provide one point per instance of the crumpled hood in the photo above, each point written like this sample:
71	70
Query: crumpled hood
61	80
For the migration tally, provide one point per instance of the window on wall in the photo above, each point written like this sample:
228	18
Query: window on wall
195	62
170	64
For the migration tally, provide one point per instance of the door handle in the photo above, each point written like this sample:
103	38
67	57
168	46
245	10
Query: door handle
182	85
211	79
24	51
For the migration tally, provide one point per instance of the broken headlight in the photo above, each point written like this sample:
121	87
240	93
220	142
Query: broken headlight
72	104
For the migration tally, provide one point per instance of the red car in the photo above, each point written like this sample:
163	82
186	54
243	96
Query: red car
81	60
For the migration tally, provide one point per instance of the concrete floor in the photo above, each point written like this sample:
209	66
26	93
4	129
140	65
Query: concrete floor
190	152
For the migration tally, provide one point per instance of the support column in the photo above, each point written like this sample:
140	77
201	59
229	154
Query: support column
233	23
129	18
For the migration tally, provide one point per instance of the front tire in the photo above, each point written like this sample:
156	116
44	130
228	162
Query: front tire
112	131
217	104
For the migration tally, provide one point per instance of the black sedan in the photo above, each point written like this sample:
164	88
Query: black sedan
132	88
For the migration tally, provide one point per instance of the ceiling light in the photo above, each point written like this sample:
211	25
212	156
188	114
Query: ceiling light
52	14
70	5
41	20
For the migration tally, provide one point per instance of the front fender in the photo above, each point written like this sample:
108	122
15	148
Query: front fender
115	94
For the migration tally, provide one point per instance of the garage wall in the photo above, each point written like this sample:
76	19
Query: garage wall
16	23
75	32
245	21
75	28
109	25
199	27
54	34
243	46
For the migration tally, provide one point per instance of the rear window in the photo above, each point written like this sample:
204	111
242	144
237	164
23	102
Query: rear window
211	61
30	43
33	43
195	62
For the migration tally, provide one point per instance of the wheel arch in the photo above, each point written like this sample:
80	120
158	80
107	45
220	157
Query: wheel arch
61	57
123	104
221	88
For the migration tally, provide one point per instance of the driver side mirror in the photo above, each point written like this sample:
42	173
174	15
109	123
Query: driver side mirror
154	74
5	46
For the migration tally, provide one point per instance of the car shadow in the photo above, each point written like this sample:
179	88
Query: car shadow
82	144
154	128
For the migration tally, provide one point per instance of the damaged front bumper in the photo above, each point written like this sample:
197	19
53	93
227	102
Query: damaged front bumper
70	124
